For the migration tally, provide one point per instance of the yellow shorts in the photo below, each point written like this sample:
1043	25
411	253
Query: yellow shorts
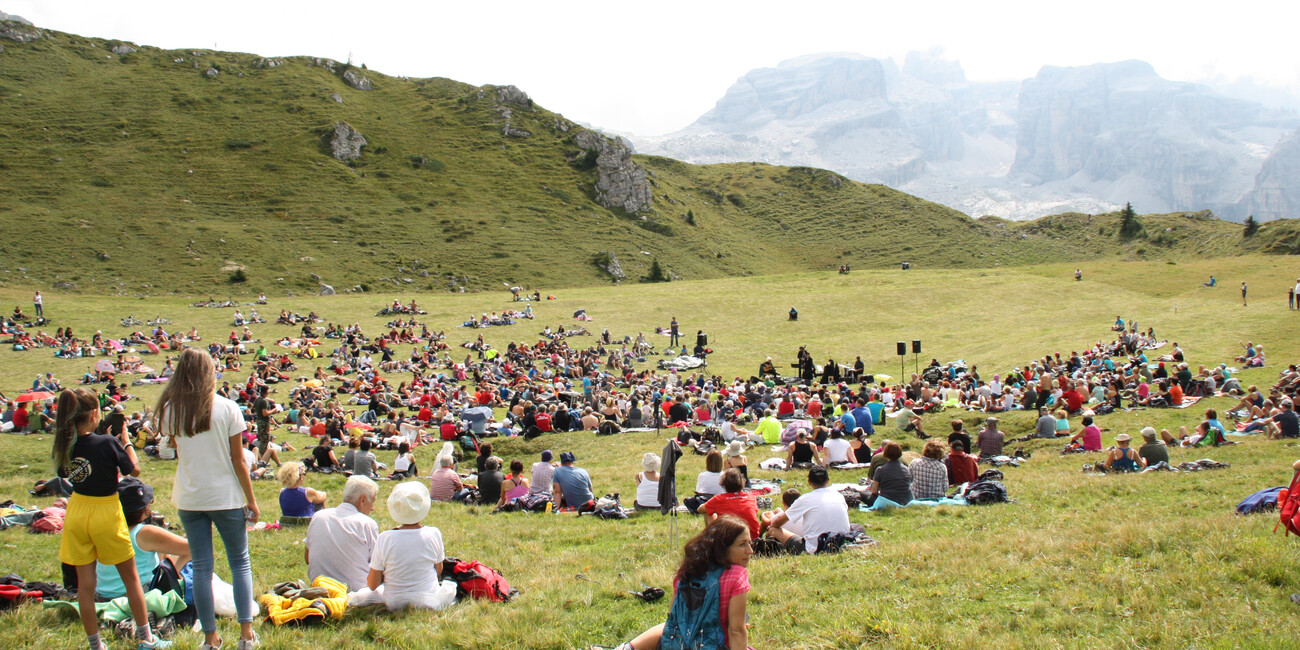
95	529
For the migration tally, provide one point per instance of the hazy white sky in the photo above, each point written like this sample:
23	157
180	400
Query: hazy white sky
653	67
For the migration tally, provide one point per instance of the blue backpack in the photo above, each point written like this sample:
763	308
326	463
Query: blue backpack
1262	501
694	621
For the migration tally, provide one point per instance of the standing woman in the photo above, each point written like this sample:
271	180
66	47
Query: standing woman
212	486
95	528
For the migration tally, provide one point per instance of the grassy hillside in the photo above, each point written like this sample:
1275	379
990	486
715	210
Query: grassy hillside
1080	561
157	171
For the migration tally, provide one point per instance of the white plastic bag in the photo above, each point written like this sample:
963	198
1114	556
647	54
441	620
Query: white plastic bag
223	599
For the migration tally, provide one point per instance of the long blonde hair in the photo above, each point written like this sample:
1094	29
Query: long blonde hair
75	406
185	407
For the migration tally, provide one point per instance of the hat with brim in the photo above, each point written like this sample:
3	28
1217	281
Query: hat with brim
736	448
409	502
1123	437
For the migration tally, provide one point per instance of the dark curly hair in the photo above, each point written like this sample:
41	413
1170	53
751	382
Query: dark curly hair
709	548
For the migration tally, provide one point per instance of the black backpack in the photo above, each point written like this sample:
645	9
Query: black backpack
985	492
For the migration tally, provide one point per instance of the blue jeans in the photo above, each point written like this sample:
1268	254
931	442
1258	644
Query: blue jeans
230	525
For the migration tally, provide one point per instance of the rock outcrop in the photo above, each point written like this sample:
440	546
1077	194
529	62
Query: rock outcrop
357	80
211	73
347	142
326	290
513	95
608	262
19	30
620	183
268	63
1276	194
123	48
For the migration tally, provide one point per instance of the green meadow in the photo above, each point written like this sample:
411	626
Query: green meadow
1079	560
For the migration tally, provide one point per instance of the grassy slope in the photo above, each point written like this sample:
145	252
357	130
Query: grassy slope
136	155
1081	561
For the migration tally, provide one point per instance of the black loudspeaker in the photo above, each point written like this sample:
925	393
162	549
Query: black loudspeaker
902	348
916	346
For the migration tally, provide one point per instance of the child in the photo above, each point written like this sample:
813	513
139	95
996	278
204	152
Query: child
95	528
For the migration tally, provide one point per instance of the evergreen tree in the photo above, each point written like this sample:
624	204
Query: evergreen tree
690	217
1129	226
657	273
1251	228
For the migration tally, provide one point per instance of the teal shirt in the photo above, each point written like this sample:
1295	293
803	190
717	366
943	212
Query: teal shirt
108	582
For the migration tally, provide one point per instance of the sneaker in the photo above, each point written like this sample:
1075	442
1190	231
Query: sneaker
157	644
249	644
206	646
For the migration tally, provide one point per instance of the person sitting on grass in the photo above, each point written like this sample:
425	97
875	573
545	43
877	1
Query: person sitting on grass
990	439
1124	458
908	420
928	473
962	467
734	501
720	553
340	540
1153	451
324	456
959	435
515	485
893	482
792	527
1089	435
445	483
296	501
802	452
154	546
407	560
822	510
572	485
769	428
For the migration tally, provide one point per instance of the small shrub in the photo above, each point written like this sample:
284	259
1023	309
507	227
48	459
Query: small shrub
656	227
239	143
237	277
426	163
690	217
383	175
736	200
100	181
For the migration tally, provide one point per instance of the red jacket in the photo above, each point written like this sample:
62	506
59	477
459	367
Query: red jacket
962	468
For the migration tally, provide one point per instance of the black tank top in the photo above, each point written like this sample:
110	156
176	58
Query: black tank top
803	452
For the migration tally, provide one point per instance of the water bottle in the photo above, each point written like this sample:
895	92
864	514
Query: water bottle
548	507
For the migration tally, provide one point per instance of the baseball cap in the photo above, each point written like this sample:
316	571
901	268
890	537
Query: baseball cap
567	457
134	494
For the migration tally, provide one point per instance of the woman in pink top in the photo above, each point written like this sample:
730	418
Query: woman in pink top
721	547
515	485
1089	435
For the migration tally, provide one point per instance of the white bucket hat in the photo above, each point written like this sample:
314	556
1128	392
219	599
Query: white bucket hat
409	502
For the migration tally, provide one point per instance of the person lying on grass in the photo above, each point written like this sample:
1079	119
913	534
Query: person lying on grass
720	553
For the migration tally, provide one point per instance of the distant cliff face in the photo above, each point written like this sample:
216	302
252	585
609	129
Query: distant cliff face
862	117
1122	124
1276	194
1083	139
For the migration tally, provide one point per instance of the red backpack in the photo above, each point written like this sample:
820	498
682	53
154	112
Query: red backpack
476	580
1288	507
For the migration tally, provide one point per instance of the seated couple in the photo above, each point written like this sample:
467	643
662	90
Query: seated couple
799	527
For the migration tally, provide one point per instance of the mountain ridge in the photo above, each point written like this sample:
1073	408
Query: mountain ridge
134	170
1087	138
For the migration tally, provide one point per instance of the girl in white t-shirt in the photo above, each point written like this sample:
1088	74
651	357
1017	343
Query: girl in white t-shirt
212	486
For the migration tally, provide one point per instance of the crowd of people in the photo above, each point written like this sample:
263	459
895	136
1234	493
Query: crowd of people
549	386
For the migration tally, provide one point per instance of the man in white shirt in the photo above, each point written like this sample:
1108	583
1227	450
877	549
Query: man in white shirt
821	511
340	540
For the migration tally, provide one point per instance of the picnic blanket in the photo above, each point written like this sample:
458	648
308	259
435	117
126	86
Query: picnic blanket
1187	401
882	503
